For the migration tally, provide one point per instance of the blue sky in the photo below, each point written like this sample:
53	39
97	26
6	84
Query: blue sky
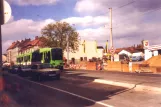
57	11
131	24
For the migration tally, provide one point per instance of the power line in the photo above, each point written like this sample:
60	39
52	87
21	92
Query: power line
129	3
141	15
125	5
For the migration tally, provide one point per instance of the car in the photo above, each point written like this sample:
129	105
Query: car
13	69
42	71
136	58
24	70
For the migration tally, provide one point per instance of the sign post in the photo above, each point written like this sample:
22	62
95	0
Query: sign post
5	15
146	44
112	51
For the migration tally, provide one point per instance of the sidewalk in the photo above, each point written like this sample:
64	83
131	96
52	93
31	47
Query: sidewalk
141	81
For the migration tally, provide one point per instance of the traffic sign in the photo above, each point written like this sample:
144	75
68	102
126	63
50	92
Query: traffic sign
112	50
7	12
146	43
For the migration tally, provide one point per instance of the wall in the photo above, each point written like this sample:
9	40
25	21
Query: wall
4	58
90	51
125	52
138	54
11	55
99	53
148	54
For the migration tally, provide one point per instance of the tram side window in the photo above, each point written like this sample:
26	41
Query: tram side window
59	54
40	56
47	57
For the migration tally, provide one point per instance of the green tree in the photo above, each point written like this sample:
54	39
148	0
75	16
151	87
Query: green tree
55	35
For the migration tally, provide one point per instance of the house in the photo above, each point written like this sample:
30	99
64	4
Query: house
4	58
87	50
100	51
125	52
12	52
31	46
20	47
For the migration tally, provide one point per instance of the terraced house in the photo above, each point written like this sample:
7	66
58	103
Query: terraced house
20	47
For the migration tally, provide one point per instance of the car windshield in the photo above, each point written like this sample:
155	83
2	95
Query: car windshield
43	66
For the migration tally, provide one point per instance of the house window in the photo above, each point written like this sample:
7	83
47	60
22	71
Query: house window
85	58
81	58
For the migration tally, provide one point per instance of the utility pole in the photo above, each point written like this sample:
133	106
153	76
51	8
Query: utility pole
111	37
1	23
67	48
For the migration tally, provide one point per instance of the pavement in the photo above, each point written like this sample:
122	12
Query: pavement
143	79
76	89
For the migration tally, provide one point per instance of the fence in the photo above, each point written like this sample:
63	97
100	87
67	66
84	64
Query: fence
116	66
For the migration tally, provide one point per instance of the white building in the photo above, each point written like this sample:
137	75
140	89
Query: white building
12	52
4	58
153	50
125	52
138	54
87	50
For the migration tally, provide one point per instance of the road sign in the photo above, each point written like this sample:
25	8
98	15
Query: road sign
112	50
146	43
7	12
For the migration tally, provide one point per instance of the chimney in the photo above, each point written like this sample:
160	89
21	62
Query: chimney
36	37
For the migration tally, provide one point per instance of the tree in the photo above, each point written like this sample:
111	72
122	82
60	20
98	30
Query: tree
55	35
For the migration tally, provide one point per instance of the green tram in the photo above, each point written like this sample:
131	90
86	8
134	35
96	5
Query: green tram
54	56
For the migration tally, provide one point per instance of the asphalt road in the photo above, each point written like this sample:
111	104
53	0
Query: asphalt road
72	90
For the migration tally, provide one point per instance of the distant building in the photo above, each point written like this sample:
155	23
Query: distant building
4	58
100	51
20	47
87	50
153	50
125	52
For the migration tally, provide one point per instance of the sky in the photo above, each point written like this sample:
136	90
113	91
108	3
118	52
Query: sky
133	20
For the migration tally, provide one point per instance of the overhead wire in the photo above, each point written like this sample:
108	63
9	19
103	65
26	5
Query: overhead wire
124	5
140	15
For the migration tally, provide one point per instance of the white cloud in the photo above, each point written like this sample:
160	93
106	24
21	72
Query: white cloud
6	44
87	20
89	6
24	28
102	6
131	34
33	2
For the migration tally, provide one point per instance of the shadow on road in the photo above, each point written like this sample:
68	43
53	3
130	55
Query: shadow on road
28	94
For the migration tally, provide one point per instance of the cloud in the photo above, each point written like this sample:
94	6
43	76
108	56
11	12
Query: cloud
102	6
33	2
6	44
20	29
122	38
87	21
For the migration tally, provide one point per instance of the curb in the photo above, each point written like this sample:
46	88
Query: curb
136	87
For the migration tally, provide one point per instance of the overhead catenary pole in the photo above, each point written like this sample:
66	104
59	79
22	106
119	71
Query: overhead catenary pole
67	48
111	36
1	22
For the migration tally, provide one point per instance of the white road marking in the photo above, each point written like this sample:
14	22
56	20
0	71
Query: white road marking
67	92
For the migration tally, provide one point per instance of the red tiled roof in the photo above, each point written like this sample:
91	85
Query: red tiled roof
14	44
31	44
129	49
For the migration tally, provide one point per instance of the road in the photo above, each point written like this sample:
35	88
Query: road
73	90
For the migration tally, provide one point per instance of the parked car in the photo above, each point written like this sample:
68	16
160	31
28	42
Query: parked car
40	71
136	58
13	69
24	70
